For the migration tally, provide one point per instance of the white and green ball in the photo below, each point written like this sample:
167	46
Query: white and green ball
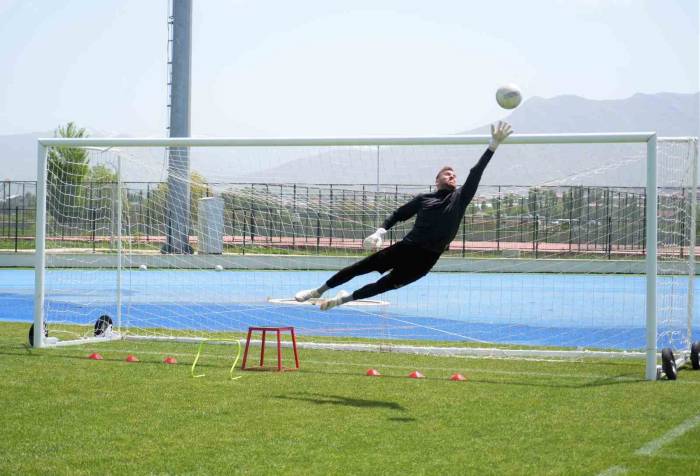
509	96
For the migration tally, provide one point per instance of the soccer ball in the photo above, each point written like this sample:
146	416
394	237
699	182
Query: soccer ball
218	267
143	267
508	96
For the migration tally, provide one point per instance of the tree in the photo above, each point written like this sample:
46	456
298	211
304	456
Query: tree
101	174
199	188
67	168
157	200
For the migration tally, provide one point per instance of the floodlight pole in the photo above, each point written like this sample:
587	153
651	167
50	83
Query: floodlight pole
178	158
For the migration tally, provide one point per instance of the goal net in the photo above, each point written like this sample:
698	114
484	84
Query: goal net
558	253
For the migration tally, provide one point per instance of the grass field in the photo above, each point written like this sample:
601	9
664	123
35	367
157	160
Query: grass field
65	414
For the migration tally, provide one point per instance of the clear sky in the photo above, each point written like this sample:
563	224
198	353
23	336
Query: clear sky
332	67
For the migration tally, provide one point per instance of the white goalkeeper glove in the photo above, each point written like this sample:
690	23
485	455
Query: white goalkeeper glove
499	133
375	240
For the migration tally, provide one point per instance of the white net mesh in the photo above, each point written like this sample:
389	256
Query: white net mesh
550	252
677	195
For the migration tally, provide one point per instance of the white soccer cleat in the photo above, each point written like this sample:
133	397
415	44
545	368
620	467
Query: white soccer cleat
333	302
306	294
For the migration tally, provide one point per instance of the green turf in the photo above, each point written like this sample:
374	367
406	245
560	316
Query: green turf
65	414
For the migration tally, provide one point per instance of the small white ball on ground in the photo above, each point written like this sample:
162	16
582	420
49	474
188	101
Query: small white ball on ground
509	96
143	267
218	267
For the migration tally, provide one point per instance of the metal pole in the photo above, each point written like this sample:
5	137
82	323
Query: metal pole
627	138
651	232
268	225
94	224
608	223
16	227
588	215
140	223
294	214
178	157
571	217
498	220
119	242
330	218
39	257
464	235
318	231
691	248
5	200
24	210
644	224
252	216
376	196
245	221
5	194
148	212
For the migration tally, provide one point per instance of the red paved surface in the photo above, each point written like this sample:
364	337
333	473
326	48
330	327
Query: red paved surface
350	243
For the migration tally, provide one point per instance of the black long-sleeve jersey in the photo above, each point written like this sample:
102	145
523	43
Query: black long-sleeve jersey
439	213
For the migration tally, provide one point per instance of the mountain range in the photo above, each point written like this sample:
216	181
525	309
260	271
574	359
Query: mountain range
668	114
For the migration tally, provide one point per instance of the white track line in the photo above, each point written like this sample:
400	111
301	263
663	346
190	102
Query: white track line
652	447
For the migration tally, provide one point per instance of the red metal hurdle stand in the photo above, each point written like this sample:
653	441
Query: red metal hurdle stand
278	331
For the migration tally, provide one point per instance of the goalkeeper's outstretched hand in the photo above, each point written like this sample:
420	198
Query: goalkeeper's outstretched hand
499	133
375	240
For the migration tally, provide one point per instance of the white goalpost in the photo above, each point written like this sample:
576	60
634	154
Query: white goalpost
574	245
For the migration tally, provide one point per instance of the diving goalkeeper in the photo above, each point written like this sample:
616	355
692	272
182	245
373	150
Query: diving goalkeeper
438	216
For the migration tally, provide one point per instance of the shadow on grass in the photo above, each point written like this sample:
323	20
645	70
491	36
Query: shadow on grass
320	399
600	382
612	380
525	380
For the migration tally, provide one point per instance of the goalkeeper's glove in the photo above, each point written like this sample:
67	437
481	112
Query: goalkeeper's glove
499	133
375	240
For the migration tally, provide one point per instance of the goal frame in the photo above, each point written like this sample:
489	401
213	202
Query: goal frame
648	138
